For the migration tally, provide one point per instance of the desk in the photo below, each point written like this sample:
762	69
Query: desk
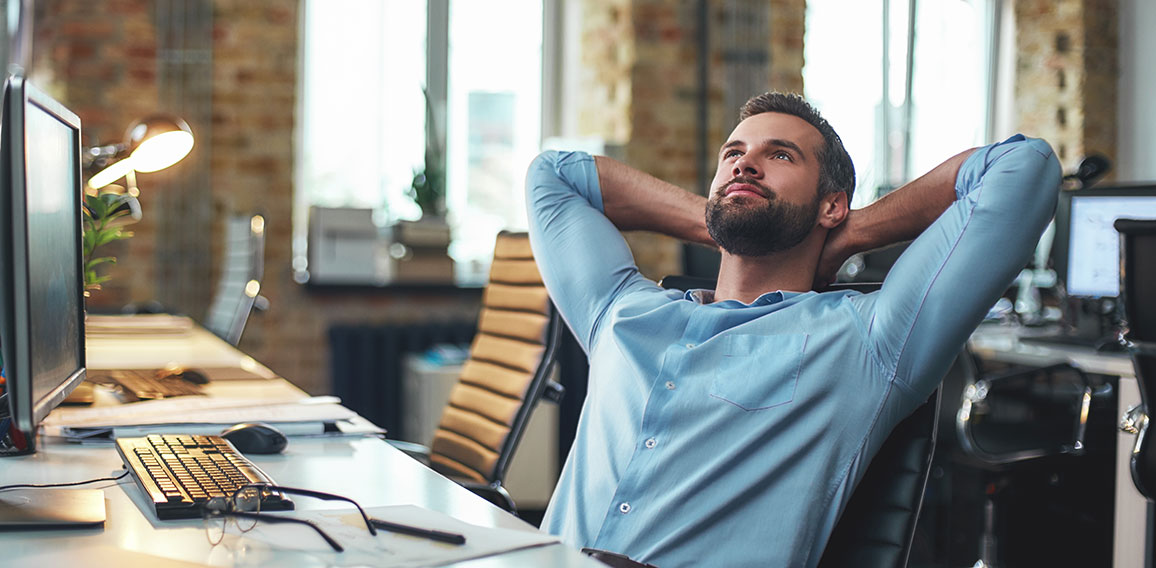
366	469
1001	343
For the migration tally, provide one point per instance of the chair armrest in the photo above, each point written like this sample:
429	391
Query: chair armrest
977	396
492	492
554	392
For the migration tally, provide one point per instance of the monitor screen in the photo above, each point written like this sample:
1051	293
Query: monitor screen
41	292
1092	256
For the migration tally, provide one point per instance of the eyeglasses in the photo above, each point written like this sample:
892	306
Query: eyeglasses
244	509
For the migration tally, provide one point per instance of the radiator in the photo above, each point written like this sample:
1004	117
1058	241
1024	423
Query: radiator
367	362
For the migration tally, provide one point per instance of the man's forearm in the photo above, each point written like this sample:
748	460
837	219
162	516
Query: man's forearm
904	213
634	200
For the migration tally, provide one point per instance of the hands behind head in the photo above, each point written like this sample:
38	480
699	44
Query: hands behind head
838	247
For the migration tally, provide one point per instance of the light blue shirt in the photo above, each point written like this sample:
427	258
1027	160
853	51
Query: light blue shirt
730	434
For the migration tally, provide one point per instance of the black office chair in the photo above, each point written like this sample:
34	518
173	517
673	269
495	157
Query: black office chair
1138	295
877	528
1023	413
239	286
1023	430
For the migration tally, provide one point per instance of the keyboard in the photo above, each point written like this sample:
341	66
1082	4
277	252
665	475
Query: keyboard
146	384
179	472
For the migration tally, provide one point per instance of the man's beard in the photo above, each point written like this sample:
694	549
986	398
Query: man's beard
745	230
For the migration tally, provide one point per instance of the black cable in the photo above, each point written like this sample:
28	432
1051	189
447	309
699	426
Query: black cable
71	484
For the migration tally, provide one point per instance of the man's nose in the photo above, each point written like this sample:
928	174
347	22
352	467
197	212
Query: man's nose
745	166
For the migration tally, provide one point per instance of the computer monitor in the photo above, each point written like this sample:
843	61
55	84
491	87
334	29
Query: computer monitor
1087	250
41	291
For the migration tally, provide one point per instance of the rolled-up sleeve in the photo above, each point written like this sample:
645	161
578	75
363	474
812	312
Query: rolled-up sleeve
945	282
583	259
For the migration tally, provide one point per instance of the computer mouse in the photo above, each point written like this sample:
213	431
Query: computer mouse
194	376
255	438
188	375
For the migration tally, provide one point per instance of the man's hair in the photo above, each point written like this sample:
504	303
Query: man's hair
836	172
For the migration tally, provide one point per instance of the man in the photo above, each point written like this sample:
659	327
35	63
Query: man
729	428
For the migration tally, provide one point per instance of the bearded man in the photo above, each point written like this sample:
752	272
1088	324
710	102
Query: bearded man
729	427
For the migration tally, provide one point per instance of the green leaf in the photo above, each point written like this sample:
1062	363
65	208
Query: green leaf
92	264
105	237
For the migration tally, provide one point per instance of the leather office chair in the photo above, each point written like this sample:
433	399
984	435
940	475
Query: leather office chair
1020	427
1138	295
239	286
1023	413
506	375
877	528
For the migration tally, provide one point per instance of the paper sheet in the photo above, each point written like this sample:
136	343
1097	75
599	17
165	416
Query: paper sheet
205	415
385	549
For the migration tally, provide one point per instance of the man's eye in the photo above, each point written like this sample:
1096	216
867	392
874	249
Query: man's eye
731	154
783	156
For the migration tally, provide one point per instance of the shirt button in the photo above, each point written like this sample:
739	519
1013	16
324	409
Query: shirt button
669	385
690	346
651	443
624	508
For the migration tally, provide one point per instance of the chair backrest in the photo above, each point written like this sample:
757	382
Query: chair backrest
507	371
877	527
1138	277
240	281
1138	294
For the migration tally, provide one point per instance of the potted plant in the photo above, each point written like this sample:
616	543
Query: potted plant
105	214
428	189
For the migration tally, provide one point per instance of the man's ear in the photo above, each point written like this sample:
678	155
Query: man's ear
833	209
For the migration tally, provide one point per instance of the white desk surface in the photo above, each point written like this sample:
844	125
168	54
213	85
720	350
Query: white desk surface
365	469
1001	343
196	347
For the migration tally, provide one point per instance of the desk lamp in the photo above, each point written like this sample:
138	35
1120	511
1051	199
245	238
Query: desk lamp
151	144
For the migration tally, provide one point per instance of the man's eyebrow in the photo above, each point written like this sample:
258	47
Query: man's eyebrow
732	144
788	145
773	142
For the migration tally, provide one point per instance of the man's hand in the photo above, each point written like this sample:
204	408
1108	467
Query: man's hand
840	245
897	217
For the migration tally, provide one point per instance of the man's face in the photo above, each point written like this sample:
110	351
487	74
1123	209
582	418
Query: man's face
764	197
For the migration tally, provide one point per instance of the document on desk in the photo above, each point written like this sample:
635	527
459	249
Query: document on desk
319	415
387	548
137	324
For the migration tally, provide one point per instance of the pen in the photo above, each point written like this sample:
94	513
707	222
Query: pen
440	536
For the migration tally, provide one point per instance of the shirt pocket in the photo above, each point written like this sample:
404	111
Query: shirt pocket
757	372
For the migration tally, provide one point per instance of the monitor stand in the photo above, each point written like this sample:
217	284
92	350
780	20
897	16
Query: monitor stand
51	508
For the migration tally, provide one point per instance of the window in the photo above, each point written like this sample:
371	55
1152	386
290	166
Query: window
905	83
365	65
493	123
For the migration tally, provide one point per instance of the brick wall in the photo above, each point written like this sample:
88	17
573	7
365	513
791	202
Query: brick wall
101	60
640	86
1066	68
643	93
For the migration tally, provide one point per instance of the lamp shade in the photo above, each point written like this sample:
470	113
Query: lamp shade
152	143
158	141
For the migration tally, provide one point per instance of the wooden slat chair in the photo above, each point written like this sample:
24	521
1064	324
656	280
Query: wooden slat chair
506	374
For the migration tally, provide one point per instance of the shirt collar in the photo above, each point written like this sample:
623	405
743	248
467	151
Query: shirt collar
703	296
